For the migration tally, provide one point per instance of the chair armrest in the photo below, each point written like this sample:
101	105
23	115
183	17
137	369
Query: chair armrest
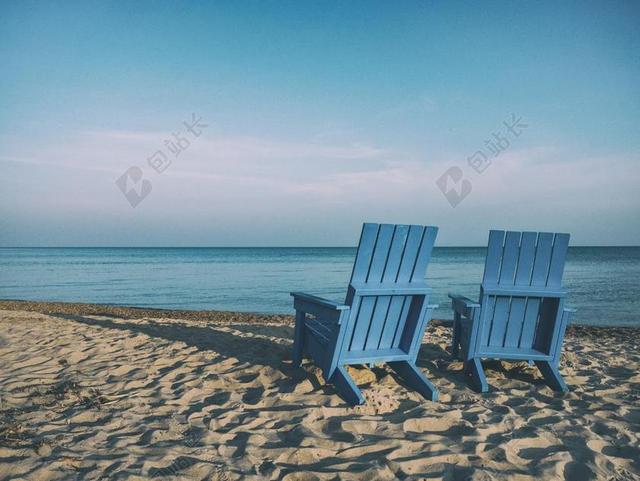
320	308
319	301
465	301
463	305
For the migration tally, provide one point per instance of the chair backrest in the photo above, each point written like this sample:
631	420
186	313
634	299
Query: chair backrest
388	256
521	289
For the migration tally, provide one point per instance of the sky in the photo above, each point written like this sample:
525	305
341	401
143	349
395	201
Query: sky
314	117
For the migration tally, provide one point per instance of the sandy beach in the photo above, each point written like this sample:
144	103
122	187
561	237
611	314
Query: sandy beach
97	392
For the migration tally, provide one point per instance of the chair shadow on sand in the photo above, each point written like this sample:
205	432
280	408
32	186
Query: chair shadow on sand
271	345
268	345
436	360
265	345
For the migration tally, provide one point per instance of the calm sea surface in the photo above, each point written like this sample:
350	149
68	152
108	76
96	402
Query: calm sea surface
604	282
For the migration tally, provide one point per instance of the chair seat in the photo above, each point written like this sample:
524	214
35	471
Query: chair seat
373	355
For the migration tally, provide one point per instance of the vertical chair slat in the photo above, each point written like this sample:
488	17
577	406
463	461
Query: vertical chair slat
365	252
508	267
402	321
548	319
494	257
380	253
424	254
538	278
556	326
374	275
488	320
543	256
558	256
492	266
521	312
411	249
412	337
397	313
396	251
529	323
509	258
499	323
514	324
539	274
389	274
350	327
377	322
364	255
518	310
362	322
391	321
526	258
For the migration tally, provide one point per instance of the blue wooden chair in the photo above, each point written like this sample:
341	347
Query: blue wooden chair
384	316
520	314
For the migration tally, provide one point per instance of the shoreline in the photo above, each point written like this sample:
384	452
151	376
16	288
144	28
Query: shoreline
132	312
225	317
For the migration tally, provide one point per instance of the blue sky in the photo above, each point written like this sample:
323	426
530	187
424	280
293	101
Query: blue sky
319	116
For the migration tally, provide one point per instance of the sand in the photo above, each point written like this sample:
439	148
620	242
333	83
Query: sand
91	392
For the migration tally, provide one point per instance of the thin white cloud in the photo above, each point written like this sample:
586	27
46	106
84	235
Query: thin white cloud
235	160
283	173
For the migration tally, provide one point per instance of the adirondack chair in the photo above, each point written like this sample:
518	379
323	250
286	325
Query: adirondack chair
384	315
520	314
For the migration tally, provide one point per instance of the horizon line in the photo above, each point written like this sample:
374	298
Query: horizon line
268	247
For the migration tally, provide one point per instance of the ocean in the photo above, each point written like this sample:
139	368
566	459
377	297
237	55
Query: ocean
603	282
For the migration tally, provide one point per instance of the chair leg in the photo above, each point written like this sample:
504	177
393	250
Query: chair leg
479	380
552	376
415	379
455	342
298	339
347	389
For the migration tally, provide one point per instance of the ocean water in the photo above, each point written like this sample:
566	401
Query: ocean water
604	282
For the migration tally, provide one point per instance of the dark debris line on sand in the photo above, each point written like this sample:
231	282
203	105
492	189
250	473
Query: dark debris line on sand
140	312
628	334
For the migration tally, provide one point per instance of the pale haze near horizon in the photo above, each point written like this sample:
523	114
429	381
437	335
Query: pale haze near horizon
319	117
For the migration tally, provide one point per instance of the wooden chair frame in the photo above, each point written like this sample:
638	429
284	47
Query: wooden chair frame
520	314
384	316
